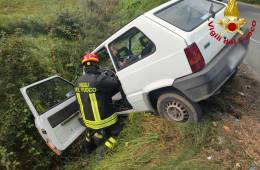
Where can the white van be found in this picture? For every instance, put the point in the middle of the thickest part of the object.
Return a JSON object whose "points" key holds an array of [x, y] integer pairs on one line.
{"points": [[165, 60]]}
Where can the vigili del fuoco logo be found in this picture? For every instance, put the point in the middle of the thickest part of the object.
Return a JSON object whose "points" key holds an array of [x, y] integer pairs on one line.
{"points": [[232, 23]]}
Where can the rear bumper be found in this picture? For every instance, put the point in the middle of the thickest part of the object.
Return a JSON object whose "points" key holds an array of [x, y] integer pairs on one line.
{"points": [[202, 85]]}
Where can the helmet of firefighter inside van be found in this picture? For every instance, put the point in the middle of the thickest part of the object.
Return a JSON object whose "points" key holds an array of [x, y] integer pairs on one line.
{"points": [[88, 58]]}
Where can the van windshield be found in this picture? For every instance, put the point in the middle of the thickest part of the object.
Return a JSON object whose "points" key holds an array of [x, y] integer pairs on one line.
{"points": [[189, 14]]}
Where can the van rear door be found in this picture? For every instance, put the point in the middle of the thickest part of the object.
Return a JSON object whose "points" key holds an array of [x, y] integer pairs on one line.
{"points": [[191, 19]]}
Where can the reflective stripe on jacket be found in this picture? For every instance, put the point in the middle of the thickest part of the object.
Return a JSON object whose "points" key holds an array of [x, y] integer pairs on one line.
{"points": [[94, 92]]}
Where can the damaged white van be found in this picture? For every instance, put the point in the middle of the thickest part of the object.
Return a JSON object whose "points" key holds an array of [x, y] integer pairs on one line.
{"points": [[165, 60]]}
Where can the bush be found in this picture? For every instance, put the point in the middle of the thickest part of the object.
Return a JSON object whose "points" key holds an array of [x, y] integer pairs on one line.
{"points": [[7, 159], [25, 25], [65, 59], [135, 8], [67, 26], [100, 21], [21, 145]]}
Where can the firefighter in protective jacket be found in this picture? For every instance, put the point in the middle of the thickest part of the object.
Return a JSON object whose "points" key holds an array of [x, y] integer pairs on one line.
{"points": [[94, 91]]}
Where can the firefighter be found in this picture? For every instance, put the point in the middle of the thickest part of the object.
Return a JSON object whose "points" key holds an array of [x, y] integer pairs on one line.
{"points": [[94, 91]]}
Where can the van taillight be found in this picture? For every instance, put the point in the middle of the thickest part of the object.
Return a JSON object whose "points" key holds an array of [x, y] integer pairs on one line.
{"points": [[194, 57]]}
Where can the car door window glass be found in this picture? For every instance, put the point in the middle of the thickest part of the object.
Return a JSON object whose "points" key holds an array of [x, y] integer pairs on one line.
{"points": [[130, 48], [49, 94], [104, 57]]}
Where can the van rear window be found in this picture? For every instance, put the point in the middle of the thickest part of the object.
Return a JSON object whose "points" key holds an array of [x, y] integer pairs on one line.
{"points": [[188, 14]]}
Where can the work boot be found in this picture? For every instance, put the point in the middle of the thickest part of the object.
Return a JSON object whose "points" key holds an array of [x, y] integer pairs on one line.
{"points": [[88, 147], [101, 152]]}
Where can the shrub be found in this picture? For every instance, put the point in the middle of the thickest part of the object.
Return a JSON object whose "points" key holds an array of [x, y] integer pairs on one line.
{"points": [[100, 18], [67, 26], [7, 159], [26, 26], [20, 143], [133, 8], [65, 59]]}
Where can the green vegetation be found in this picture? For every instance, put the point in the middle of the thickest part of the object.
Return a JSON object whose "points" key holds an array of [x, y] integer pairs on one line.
{"points": [[251, 1], [39, 39], [42, 38], [158, 144]]}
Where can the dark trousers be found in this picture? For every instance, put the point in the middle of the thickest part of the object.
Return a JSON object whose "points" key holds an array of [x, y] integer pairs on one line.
{"points": [[105, 136]]}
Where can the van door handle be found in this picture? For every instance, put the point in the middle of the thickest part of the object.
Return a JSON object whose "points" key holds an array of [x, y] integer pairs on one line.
{"points": [[44, 131]]}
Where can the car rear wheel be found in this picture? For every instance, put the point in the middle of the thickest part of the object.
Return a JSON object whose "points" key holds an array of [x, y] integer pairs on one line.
{"points": [[175, 106]]}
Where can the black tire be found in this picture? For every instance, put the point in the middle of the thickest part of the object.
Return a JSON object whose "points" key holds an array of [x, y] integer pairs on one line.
{"points": [[175, 106]]}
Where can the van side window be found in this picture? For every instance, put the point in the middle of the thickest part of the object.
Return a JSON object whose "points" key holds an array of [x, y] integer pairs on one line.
{"points": [[130, 48], [104, 57]]}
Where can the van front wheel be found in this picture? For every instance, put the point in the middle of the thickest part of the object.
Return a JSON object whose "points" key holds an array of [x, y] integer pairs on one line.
{"points": [[175, 106]]}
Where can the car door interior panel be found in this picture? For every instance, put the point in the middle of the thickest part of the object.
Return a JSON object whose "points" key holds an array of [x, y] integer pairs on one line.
{"points": [[63, 114]]}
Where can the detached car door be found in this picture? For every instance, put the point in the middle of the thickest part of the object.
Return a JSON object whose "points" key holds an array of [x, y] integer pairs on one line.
{"points": [[53, 104]]}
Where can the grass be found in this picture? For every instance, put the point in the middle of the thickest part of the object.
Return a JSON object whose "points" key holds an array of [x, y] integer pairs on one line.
{"points": [[149, 142], [34, 20], [32, 15], [17, 9]]}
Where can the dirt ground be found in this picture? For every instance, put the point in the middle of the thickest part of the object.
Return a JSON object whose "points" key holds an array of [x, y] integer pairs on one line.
{"points": [[237, 113]]}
